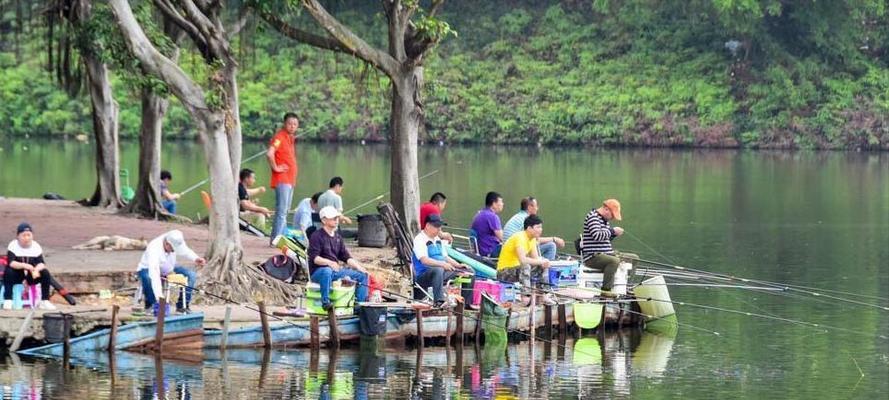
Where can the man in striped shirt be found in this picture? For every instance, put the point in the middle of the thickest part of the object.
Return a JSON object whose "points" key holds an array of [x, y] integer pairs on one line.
{"points": [[597, 236]]}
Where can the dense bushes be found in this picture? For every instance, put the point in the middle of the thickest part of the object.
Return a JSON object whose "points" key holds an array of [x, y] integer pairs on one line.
{"points": [[638, 72]]}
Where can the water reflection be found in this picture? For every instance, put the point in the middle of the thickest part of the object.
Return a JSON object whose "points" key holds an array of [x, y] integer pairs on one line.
{"points": [[589, 367]]}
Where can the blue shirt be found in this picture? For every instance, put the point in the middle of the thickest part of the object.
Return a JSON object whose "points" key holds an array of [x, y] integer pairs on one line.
{"points": [[302, 218], [515, 224]]}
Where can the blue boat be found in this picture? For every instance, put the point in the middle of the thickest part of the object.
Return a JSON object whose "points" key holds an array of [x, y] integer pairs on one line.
{"points": [[178, 330]]}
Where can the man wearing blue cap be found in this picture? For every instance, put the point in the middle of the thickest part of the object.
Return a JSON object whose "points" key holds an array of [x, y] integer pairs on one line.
{"points": [[432, 265]]}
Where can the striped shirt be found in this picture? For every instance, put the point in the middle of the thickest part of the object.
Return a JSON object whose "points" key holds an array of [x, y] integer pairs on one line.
{"points": [[597, 235]]}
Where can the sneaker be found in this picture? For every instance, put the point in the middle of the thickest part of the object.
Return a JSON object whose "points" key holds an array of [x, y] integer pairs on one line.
{"points": [[327, 306], [180, 310], [7, 304], [46, 305]]}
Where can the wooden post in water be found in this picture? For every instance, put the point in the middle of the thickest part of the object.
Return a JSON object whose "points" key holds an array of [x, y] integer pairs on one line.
{"points": [[532, 310], [420, 341], [461, 307], [548, 320], [478, 327], [563, 320], [225, 325], [66, 341], [448, 331], [266, 331], [159, 332], [112, 338], [333, 328], [314, 334]]}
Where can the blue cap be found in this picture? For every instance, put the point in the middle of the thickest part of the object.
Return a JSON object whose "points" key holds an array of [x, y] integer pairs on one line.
{"points": [[23, 227], [435, 220]]}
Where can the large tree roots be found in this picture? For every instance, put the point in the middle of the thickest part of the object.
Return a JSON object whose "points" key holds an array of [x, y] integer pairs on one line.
{"points": [[228, 277]]}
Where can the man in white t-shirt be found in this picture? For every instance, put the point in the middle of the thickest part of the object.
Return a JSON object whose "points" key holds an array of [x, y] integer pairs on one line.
{"points": [[159, 260], [432, 266]]}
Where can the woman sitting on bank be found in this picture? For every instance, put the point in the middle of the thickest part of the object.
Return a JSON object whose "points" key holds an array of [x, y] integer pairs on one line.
{"points": [[26, 264]]}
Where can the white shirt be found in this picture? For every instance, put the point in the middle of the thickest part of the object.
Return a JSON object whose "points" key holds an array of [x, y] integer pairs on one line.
{"points": [[160, 263], [302, 218]]}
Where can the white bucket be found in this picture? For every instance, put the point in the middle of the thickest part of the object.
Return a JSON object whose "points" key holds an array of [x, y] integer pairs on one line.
{"points": [[620, 278]]}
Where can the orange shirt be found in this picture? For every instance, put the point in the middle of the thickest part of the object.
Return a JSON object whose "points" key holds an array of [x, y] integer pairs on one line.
{"points": [[285, 154]]}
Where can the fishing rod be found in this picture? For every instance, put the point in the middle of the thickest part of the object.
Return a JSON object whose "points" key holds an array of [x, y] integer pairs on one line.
{"points": [[816, 292], [808, 290], [248, 159], [362, 205], [712, 285], [750, 314]]}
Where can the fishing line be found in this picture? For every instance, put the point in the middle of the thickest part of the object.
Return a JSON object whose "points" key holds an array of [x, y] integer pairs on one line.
{"points": [[750, 314], [362, 205]]}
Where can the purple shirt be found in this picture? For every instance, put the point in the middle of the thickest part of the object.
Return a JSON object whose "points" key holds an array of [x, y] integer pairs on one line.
{"points": [[484, 224], [330, 247]]}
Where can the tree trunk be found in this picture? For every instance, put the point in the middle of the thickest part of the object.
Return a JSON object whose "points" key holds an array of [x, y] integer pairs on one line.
{"points": [[105, 122], [147, 200], [405, 118], [105, 128]]}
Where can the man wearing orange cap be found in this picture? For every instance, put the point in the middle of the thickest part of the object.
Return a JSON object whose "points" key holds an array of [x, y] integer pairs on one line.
{"points": [[597, 236]]}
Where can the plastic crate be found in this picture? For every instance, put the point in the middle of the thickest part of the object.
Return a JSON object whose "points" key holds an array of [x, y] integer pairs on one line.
{"points": [[342, 297], [563, 273]]}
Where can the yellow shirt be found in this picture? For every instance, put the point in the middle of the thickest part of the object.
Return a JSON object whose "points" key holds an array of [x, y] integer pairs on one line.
{"points": [[509, 257]]}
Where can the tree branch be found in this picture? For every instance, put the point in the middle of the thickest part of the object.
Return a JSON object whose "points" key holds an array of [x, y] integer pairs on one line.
{"points": [[436, 5], [357, 46], [238, 26], [311, 39], [191, 95], [172, 14]]}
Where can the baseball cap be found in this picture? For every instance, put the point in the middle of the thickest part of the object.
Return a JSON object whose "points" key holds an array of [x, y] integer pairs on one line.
{"points": [[435, 220], [329, 212], [177, 240], [613, 206], [23, 227]]}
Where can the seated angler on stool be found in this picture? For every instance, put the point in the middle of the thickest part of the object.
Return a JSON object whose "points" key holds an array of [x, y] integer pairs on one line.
{"points": [[327, 252], [26, 264], [159, 260]]}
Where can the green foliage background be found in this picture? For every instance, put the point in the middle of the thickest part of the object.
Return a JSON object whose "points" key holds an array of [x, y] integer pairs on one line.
{"points": [[804, 74]]}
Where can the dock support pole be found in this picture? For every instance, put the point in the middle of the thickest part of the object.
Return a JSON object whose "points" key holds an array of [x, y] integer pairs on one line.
{"points": [[66, 339], [112, 338], [315, 339], [266, 331], [563, 320], [420, 341], [548, 320], [478, 327], [159, 332], [22, 329], [532, 310], [333, 328], [225, 325], [461, 307]]}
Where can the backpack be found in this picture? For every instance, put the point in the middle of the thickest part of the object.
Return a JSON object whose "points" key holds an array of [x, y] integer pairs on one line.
{"points": [[282, 268]]}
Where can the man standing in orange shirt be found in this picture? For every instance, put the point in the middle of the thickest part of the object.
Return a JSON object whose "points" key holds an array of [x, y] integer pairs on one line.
{"points": [[282, 161]]}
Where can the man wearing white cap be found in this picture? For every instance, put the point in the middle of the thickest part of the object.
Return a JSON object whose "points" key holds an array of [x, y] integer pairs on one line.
{"points": [[326, 254], [159, 259]]}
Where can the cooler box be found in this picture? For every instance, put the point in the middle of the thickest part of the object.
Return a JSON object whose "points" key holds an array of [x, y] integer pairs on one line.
{"points": [[499, 291], [563, 273], [342, 297]]}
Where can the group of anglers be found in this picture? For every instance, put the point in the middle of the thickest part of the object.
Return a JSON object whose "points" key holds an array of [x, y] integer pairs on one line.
{"points": [[521, 251]]}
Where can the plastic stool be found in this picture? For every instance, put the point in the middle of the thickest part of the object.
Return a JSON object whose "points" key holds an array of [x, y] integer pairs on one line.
{"points": [[34, 296], [17, 291]]}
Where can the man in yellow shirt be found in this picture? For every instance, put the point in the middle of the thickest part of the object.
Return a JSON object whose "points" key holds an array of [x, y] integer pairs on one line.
{"points": [[520, 260]]}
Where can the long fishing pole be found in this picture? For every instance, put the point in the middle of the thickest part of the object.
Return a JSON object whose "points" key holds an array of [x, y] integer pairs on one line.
{"points": [[788, 287], [362, 205], [808, 290], [248, 159]]}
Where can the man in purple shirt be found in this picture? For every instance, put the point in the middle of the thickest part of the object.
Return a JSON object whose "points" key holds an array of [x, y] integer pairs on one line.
{"points": [[327, 252], [486, 226]]}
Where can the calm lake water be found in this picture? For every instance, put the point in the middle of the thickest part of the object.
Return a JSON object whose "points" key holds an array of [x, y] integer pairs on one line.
{"points": [[817, 219]]}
